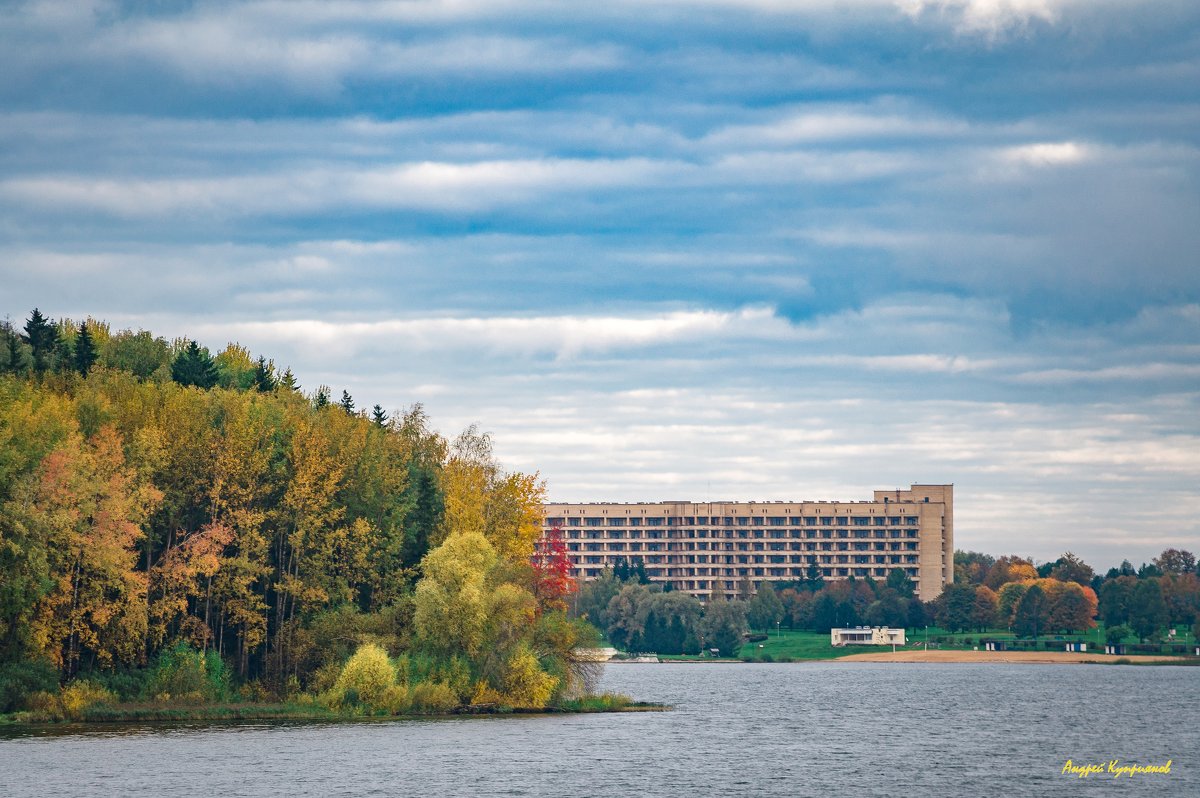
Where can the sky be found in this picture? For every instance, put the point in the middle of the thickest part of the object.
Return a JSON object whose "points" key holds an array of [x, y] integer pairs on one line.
{"points": [[689, 249]]}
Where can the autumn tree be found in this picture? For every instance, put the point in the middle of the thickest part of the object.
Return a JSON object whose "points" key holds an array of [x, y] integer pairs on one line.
{"points": [[984, 610], [85, 508]]}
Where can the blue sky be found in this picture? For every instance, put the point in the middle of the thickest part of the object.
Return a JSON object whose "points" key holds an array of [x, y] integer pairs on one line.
{"points": [[743, 249]]}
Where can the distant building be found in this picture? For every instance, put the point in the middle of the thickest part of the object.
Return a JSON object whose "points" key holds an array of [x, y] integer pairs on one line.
{"points": [[867, 636], [699, 547]]}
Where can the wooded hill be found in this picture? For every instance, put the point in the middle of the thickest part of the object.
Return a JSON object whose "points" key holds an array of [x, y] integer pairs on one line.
{"points": [[153, 495]]}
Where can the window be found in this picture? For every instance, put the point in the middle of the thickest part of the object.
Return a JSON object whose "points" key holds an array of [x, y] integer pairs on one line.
{"points": [[616, 522], [592, 521], [573, 522]]}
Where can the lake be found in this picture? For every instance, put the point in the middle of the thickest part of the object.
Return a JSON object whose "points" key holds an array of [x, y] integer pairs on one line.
{"points": [[862, 729]]}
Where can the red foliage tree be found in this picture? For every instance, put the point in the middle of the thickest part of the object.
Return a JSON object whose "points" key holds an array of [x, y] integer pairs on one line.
{"points": [[552, 568]]}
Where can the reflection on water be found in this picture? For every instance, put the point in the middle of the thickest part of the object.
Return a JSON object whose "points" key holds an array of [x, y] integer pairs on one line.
{"points": [[781, 729]]}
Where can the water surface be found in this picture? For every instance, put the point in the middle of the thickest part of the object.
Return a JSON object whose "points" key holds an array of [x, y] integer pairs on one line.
{"points": [[800, 729]]}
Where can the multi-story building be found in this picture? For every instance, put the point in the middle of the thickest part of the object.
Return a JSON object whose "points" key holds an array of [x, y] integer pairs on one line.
{"points": [[703, 546]]}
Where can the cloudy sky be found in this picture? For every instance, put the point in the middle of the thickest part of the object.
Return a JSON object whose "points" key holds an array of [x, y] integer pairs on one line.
{"points": [[689, 249]]}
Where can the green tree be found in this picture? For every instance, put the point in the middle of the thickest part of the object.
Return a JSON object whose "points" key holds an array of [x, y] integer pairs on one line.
{"points": [[955, 607], [85, 350], [1032, 611], [347, 403], [897, 579], [288, 381], [1115, 595], [139, 353], [765, 609], [42, 337], [378, 417], [320, 399], [723, 626], [264, 376], [194, 366], [1147, 609]]}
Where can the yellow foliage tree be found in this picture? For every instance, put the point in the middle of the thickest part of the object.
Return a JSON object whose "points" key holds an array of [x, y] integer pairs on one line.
{"points": [[451, 601]]}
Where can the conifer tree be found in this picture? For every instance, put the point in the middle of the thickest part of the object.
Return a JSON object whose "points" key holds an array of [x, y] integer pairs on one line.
{"points": [[320, 399], [378, 416], [264, 376], [194, 366], [347, 403], [41, 337], [85, 350], [288, 381]]}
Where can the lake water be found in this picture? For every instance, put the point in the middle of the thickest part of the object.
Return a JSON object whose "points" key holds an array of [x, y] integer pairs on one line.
{"points": [[859, 729]]}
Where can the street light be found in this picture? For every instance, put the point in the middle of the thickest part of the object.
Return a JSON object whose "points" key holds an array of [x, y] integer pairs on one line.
{"points": [[926, 637]]}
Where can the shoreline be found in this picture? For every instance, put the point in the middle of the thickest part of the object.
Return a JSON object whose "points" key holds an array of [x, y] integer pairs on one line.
{"points": [[1020, 657]]}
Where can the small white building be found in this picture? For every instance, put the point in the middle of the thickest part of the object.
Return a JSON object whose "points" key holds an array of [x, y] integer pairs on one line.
{"points": [[867, 636]]}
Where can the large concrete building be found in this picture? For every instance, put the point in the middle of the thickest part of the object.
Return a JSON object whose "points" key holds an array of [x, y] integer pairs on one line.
{"points": [[702, 546]]}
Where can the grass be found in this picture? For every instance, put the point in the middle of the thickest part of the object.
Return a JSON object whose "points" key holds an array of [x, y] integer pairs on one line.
{"points": [[797, 646], [217, 713]]}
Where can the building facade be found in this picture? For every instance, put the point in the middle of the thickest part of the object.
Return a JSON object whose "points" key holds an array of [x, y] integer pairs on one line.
{"points": [[699, 547]]}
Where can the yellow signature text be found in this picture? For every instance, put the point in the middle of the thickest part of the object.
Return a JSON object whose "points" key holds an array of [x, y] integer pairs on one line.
{"points": [[1114, 768]]}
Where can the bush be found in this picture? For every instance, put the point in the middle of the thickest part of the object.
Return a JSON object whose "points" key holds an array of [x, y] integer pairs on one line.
{"points": [[79, 696], [184, 675], [756, 638], [365, 680], [19, 680], [433, 698]]}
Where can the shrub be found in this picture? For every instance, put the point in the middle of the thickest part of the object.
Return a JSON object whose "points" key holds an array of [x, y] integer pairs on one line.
{"points": [[79, 696], [364, 680], [184, 675], [19, 680], [433, 698], [525, 683]]}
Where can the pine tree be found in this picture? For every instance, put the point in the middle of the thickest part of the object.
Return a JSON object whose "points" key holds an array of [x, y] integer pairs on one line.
{"points": [[378, 416], [194, 366], [320, 399], [264, 376], [288, 381], [85, 350], [41, 336], [347, 403]]}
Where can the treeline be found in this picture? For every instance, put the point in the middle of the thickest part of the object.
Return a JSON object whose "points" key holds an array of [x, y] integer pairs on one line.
{"points": [[1067, 595], [153, 496], [637, 616]]}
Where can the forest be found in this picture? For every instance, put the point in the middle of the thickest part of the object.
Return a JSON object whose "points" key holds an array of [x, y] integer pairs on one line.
{"points": [[181, 526]]}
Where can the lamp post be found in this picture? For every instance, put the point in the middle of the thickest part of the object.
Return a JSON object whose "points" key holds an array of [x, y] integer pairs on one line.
{"points": [[926, 637]]}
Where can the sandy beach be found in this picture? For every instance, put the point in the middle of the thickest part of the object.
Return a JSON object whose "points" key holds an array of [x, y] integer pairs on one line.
{"points": [[1029, 657]]}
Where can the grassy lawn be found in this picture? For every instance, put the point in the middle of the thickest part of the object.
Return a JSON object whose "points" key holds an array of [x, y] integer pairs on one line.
{"points": [[788, 645]]}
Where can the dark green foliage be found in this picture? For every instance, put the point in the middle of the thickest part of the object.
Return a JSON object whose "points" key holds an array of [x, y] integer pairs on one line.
{"points": [[1147, 609], [347, 403], [765, 608], [183, 674], [288, 381], [264, 376], [42, 336], [379, 417], [955, 606], [19, 679], [1030, 618], [898, 580], [320, 399], [85, 350], [16, 356], [194, 366], [428, 506], [1114, 600]]}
